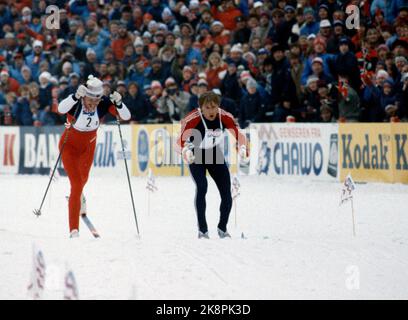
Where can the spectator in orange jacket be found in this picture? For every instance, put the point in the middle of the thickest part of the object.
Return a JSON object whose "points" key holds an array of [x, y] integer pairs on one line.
{"points": [[214, 67], [119, 44], [8, 84], [226, 13]]}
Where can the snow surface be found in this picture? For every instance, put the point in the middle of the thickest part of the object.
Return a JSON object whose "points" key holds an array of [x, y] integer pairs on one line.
{"points": [[299, 241]]}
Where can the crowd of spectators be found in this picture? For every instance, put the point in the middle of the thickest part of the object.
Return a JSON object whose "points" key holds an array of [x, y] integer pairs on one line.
{"points": [[271, 60]]}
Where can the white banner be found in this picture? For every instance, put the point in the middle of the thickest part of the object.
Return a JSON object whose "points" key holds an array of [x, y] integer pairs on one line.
{"points": [[294, 149], [108, 152], [9, 149]]}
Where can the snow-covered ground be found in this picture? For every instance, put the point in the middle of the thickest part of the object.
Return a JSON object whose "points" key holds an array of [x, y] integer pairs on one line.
{"points": [[299, 242]]}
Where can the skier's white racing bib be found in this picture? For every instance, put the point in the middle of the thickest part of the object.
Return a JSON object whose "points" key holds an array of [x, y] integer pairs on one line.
{"points": [[212, 138], [87, 121]]}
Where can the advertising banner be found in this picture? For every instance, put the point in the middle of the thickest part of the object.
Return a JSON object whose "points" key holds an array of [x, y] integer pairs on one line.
{"points": [[9, 149], [374, 152], [108, 152], [153, 147], [39, 149], [295, 150], [400, 141]]}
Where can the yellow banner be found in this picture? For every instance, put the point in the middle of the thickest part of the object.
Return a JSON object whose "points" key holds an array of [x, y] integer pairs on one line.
{"points": [[374, 152], [400, 144], [154, 147]]}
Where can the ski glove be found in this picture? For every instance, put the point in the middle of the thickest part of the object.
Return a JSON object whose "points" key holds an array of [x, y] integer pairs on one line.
{"points": [[81, 92], [116, 98], [187, 153]]}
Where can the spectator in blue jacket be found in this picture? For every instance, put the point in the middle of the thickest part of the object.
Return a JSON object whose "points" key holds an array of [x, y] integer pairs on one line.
{"points": [[252, 105], [319, 46], [21, 110], [311, 26], [35, 58]]}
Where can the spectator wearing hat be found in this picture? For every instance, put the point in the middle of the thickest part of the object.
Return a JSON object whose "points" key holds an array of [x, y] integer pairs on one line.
{"points": [[229, 84], [349, 102], [26, 75], [139, 105], [338, 33], [138, 73], [252, 106], [242, 33], [45, 93], [121, 40], [388, 99], [319, 46], [73, 83], [220, 35], [187, 77], [325, 30], [7, 83], [46, 115], [197, 89], [121, 87], [21, 110], [281, 28], [262, 31], [400, 63], [173, 102], [156, 91], [346, 63], [300, 21], [382, 51], [310, 26], [62, 85], [157, 72], [190, 52], [235, 56], [16, 66], [333, 8], [318, 71], [167, 54], [91, 61], [282, 96], [288, 23], [310, 110], [168, 19], [35, 58], [323, 12]]}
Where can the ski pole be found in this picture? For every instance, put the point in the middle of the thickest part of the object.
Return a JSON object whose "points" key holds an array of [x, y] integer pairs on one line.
{"points": [[127, 174], [37, 212]]}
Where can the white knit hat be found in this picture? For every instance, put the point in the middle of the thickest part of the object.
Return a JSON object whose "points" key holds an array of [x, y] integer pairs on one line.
{"points": [[45, 75], [94, 87]]}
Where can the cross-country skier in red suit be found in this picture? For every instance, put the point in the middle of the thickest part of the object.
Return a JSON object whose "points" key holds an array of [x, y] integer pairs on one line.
{"points": [[201, 144], [85, 109]]}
